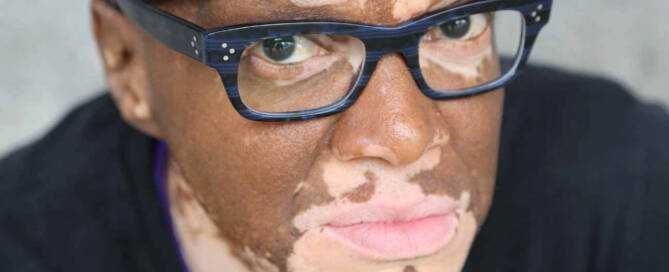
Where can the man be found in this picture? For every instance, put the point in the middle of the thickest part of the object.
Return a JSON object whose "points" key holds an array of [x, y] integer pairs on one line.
{"points": [[337, 147]]}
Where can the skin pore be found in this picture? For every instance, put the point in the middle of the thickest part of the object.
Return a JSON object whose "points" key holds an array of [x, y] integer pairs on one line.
{"points": [[255, 196]]}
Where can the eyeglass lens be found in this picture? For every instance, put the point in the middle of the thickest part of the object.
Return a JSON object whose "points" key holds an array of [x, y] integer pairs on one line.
{"points": [[303, 72]]}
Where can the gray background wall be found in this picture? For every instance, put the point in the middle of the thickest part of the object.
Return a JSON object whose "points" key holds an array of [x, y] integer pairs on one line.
{"points": [[48, 62]]}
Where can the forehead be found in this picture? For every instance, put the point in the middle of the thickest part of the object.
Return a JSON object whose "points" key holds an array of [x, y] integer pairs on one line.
{"points": [[217, 13]]}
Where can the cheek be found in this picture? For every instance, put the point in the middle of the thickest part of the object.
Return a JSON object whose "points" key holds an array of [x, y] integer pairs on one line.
{"points": [[183, 89], [245, 174], [240, 171], [475, 125]]}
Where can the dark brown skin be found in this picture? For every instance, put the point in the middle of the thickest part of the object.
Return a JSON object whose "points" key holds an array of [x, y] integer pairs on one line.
{"points": [[245, 173], [364, 192]]}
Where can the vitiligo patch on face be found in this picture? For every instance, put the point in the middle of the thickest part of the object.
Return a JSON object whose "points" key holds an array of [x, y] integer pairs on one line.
{"points": [[317, 250], [401, 9], [342, 177], [407, 9], [198, 236], [258, 263], [466, 67]]}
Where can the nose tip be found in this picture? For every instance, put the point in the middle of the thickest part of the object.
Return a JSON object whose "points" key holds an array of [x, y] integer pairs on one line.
{"points": [[392, 120]]}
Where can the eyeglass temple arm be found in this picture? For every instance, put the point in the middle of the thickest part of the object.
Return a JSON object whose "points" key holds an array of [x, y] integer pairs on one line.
{"points": [[178, 34]]}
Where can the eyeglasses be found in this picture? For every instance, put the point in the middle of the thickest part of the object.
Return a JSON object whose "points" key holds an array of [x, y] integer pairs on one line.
{"points": [[291, 71]]}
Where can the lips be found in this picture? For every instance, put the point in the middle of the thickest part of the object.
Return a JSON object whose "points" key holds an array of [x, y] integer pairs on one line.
{"points": [[398, 239], [383, 229]]}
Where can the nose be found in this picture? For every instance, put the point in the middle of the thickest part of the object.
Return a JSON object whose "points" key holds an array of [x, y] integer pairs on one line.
{"points": [[392, 120]]}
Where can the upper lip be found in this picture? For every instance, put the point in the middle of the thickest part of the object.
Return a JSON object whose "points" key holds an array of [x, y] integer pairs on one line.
{"points": [[379, 211]]}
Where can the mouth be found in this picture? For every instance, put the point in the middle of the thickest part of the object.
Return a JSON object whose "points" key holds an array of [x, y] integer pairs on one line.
{"points": [[388, 233], [398, 240]]}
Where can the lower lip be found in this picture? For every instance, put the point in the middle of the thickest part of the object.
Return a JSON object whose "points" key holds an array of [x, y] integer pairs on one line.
{"points": [[398, 240]]}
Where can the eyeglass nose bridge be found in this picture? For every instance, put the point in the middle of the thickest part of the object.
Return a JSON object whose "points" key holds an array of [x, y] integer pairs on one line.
{"points": [[410, 56], [407, 46]]}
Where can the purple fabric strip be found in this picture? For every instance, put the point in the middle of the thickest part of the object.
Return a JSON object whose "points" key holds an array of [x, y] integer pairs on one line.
{"points": [[159, 171]]}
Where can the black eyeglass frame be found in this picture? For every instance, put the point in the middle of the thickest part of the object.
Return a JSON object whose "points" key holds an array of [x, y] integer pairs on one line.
{"points": [[221, 48]]}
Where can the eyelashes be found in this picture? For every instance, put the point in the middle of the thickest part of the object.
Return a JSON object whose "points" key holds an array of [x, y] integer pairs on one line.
{"points": [[287, 49], [461, 29], [288, 59]]}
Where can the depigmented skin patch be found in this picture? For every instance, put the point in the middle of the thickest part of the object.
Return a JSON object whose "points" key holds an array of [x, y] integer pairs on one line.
{"points": [[434, 183], [227, 13], [310, 256], [245, 175], [401, 9], [199, 238], [405, 9]]}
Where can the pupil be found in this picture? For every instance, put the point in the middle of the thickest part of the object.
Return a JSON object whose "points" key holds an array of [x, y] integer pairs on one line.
{"points": [[280, 48], [456, 29]]}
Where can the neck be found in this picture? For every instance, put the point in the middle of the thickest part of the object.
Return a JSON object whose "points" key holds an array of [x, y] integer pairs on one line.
{"points": [[200, 241]]}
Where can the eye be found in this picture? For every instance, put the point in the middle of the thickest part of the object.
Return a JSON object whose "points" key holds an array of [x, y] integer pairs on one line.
{"points": [[287, 49], [464, 28], [279, 49]]}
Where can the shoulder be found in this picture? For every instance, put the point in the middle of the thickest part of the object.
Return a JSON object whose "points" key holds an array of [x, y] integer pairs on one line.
{"points": [[583, 168], [59, 196], [572, 123], [80, 142], [76, 132]]}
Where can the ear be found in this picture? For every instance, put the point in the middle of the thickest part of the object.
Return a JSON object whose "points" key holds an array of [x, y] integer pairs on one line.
{"points": [[121, 46]]}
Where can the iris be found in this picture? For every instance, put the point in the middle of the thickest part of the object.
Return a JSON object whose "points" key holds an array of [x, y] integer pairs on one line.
{"points": [[456, 29], [279, 48]]}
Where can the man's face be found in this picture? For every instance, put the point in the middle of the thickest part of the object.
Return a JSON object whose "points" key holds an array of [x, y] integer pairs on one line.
{"points": [[398, 182]]}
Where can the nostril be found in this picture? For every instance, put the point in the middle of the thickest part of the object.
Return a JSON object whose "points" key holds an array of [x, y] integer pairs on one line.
{"points": [[368, 151], [382, 152]]}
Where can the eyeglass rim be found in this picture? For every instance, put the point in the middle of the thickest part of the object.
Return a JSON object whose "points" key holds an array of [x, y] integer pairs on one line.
{"points": [[206, 47]]}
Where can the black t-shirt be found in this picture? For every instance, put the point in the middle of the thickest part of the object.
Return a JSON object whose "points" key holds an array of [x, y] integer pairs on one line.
{"points": [[582, 186]]}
